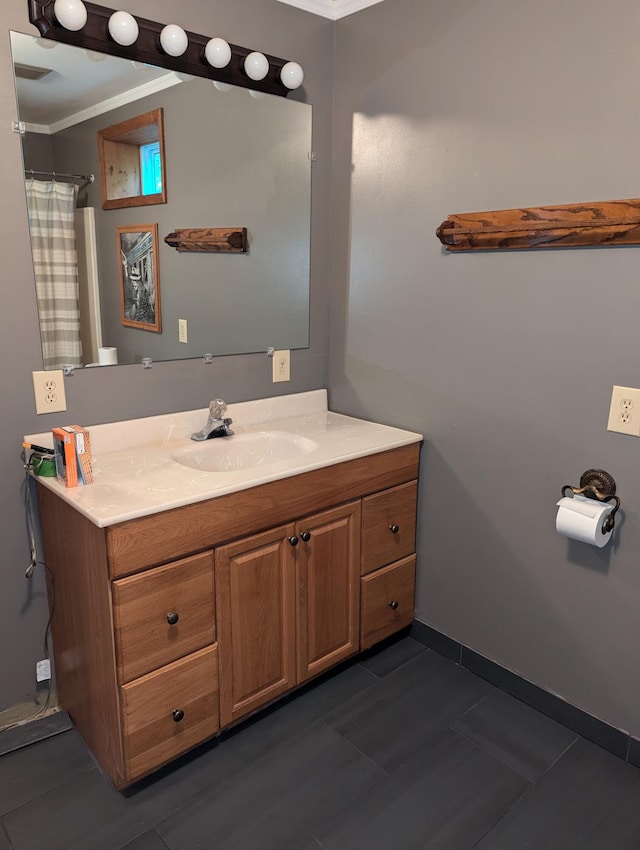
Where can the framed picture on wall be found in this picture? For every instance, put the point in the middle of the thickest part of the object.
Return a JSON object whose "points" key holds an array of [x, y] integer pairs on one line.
{"points": [[139, 281]]}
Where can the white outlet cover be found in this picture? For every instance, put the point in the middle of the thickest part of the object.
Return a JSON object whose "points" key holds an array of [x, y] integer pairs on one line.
{"points": [[43, 670], [48, 388], [624, 411]]}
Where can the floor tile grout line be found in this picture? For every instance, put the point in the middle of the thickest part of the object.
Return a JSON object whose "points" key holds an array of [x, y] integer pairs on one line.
{"points": [[3, 831], [491, 755], [569, 746], [47, 790], [354, 747]]}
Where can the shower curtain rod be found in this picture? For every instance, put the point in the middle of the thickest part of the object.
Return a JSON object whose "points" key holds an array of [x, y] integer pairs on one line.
{"points": [[88, 178]]}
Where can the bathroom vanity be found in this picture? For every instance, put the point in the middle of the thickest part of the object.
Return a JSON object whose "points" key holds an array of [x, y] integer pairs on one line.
{"points": [[192, 584]]}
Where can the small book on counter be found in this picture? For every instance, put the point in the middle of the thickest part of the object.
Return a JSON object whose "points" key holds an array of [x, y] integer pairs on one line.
{"points": [[72, 452]]}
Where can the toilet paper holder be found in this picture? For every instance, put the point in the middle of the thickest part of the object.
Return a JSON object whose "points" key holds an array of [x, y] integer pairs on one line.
{"points": [[599, 485]]}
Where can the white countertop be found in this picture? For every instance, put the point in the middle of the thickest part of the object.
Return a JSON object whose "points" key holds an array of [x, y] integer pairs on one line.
{"points": [[135, 474]]}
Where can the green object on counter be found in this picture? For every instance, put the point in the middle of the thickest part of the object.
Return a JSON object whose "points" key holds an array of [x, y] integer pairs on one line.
{"points": [[44, 466]]}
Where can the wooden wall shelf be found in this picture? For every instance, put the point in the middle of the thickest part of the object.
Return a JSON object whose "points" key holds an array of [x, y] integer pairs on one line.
{"points": [[225, 240], [602, 223]]}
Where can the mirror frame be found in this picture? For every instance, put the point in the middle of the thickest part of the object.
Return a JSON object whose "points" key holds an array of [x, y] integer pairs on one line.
{"points": [[147, 49]]}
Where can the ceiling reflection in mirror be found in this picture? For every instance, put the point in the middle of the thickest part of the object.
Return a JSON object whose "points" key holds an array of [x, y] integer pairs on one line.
{"points": [[234, 159]]}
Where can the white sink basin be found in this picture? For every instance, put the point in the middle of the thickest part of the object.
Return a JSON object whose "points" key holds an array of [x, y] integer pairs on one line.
{"points": [[243, 451]]}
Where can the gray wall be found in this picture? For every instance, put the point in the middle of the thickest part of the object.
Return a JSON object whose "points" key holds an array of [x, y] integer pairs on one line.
{"points": [[505, 361], [130, 391]]}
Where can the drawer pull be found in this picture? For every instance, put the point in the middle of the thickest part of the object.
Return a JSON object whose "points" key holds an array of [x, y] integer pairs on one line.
{"points": [[177, 714], [293, 540], [172, 618], [306, 536], [393, 605], [394, 529]]}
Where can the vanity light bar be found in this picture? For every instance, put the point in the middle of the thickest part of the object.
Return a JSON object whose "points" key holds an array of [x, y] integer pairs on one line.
{"points": [[147, 48]]}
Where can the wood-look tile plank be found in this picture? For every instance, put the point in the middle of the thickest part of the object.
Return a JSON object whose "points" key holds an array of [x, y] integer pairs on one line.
{"points": [[278, 801], [518, 735], [588, 799], [407, 709], [446, 799]]}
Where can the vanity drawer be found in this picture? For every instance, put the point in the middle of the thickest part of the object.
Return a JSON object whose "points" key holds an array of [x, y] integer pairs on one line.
{"points": [[388, 526], [162, 614], [387, 601], [169, 711]]}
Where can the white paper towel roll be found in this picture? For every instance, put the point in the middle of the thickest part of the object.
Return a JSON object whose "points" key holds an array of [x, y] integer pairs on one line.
{"points": [[581, 519], [108, 356]]}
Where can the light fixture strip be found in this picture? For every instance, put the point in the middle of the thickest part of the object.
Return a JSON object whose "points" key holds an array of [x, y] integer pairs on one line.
{"points": [[147, 48]]}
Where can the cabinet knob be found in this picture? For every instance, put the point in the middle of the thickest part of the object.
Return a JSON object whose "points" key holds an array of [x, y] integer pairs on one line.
{"points": [[394, 529], [393, 605], [172, 618], [306, 536], [293, 540], [177, 714]]}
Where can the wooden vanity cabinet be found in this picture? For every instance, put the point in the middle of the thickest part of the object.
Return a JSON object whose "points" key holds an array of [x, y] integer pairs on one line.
{"points": [[172, 626]]}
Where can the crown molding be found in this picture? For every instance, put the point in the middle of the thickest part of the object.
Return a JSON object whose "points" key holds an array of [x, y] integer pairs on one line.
{"points": [[332, 9]]}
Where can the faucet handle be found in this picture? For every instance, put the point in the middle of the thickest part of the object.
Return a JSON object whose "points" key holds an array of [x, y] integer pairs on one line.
{"points": [[217, 407]]}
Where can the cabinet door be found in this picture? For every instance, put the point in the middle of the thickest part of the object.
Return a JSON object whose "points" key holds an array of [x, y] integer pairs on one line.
{"points": [[255, 604], [328, 588]]}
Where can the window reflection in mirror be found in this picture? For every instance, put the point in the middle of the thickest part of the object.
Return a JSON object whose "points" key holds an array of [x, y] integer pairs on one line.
{"points": [[132, 162]]}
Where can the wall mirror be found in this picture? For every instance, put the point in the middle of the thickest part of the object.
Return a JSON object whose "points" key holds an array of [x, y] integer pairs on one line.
{"points": [[234, 158]]}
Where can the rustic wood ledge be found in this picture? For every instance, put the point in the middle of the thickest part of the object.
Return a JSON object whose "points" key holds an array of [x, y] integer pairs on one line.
{"points": [[602, 223], [227, 240]]}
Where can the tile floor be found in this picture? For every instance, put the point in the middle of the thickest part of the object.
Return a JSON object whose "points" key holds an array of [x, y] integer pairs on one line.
{"points": [[401, 749]]}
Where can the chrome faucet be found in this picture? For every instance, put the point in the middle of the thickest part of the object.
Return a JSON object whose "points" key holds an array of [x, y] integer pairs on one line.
{"points": [[216, 425]]}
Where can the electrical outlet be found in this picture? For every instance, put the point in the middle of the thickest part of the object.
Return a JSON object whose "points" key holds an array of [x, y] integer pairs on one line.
{"points": [[624, 413], [48, 388], [281, 365], [182, 330], [43, 670]]}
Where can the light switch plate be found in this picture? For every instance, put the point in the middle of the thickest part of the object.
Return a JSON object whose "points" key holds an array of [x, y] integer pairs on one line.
{"points": [[281, 365]]}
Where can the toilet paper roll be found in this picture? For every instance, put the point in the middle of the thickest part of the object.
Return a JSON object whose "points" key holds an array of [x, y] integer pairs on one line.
{"points": [[582, 519], [108, 356]]}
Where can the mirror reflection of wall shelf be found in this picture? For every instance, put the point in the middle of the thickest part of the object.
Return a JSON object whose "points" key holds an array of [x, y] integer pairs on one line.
{"points": [[132, 162], [261, 177], [217, 240], [121, 34]]}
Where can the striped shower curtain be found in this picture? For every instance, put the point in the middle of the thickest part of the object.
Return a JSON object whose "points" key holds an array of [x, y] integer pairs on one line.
{"points": [[53, 243]]}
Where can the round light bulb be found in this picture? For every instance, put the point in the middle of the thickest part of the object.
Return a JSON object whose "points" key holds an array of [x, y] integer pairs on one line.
{"points": [[292, 75], [222, 86], [71, 14], [256, 66], [217, 53], [123, 28], [173, 40]]}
